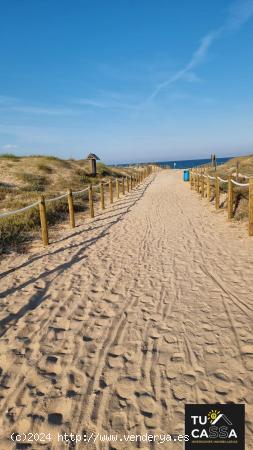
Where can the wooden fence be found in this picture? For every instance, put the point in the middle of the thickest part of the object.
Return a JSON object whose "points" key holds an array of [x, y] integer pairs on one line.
{"points": [[120, 185], [204, 184]]}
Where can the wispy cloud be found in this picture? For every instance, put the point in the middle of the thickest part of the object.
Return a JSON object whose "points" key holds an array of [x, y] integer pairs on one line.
{"points": [[13, 104], [109, 101], [40, 110], [31, 134], [196, 59], [8, 147], [93, 103], [238, 14]]}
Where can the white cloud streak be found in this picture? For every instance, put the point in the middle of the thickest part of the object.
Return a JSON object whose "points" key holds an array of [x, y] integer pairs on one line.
{"points": [[39, 110], [8, 147], [238, 14], [107, 104], [93, 103], [13, 104]]}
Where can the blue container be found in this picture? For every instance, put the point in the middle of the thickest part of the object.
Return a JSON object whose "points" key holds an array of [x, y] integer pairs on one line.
{"points": [[186, 175]]}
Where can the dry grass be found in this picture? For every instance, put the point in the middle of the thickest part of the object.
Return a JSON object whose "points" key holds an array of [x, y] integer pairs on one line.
{"points": [[241, 195], [24, 179]]}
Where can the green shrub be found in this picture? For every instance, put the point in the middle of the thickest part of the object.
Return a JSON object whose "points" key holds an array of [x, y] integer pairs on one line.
{"points": [[103, 170], [4, 191], [9, 156], [34, 182], [16, 231], [83, 178], [61, 162], [45, 168]]}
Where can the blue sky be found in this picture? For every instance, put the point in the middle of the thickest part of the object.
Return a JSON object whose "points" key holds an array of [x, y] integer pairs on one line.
{"points": [[131, 80]]}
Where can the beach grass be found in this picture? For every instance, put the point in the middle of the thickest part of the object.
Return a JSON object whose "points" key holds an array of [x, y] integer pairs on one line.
{"points": [[24, 179]]}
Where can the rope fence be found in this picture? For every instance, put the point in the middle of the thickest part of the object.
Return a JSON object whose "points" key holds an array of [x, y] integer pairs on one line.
{"points": [[17, 211], [76, 193], [203, 183], [120, 185], [240, 184]]}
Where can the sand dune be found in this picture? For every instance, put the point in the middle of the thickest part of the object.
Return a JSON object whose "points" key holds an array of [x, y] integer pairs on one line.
{"points": [[115, 327]]}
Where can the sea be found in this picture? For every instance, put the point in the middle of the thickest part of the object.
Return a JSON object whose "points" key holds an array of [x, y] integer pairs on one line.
{"points": [[188, 163], [183, 164]]}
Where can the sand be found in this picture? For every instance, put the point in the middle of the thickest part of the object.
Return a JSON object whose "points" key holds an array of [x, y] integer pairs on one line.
{"points": [[116, 326]]}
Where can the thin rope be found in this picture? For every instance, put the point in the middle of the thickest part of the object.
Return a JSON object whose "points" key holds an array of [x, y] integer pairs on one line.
{"points": [[54, 199], [240, 184], [17, 211], [80, 192], [223, 181]]}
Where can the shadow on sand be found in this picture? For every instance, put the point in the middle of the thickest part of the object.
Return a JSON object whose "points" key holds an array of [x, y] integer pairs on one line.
{"points": [[114, 215]]}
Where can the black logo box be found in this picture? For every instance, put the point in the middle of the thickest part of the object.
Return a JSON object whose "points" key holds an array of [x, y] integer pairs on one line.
{"points": [[232, 413]]}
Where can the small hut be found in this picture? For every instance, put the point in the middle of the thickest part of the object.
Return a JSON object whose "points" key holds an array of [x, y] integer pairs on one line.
{"points": [[93, 163]]}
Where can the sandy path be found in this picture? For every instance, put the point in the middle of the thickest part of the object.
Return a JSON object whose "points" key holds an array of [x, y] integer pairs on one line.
{"points": [[116, 326]]}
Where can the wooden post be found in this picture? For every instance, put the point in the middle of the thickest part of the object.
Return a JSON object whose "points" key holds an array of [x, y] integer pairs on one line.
{"points": [[102, 195], [117, 188], [214, 162], [251, 207], [131, 182], [123, 186], [191, 179], [208, 188], [230, 198], [205, 185], [127, 184], [217, 193], [202, 185], [111, 191], [91, 206], [237, 171], [198, 180], [43, 220], [71, 209]]}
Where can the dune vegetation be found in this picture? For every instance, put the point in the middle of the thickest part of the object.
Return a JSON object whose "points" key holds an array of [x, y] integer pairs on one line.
{"points": [[24, 179], [241, 169]]}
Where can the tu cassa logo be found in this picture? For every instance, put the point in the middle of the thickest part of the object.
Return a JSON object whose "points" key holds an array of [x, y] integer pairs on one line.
{"points": [[218, 426]]}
